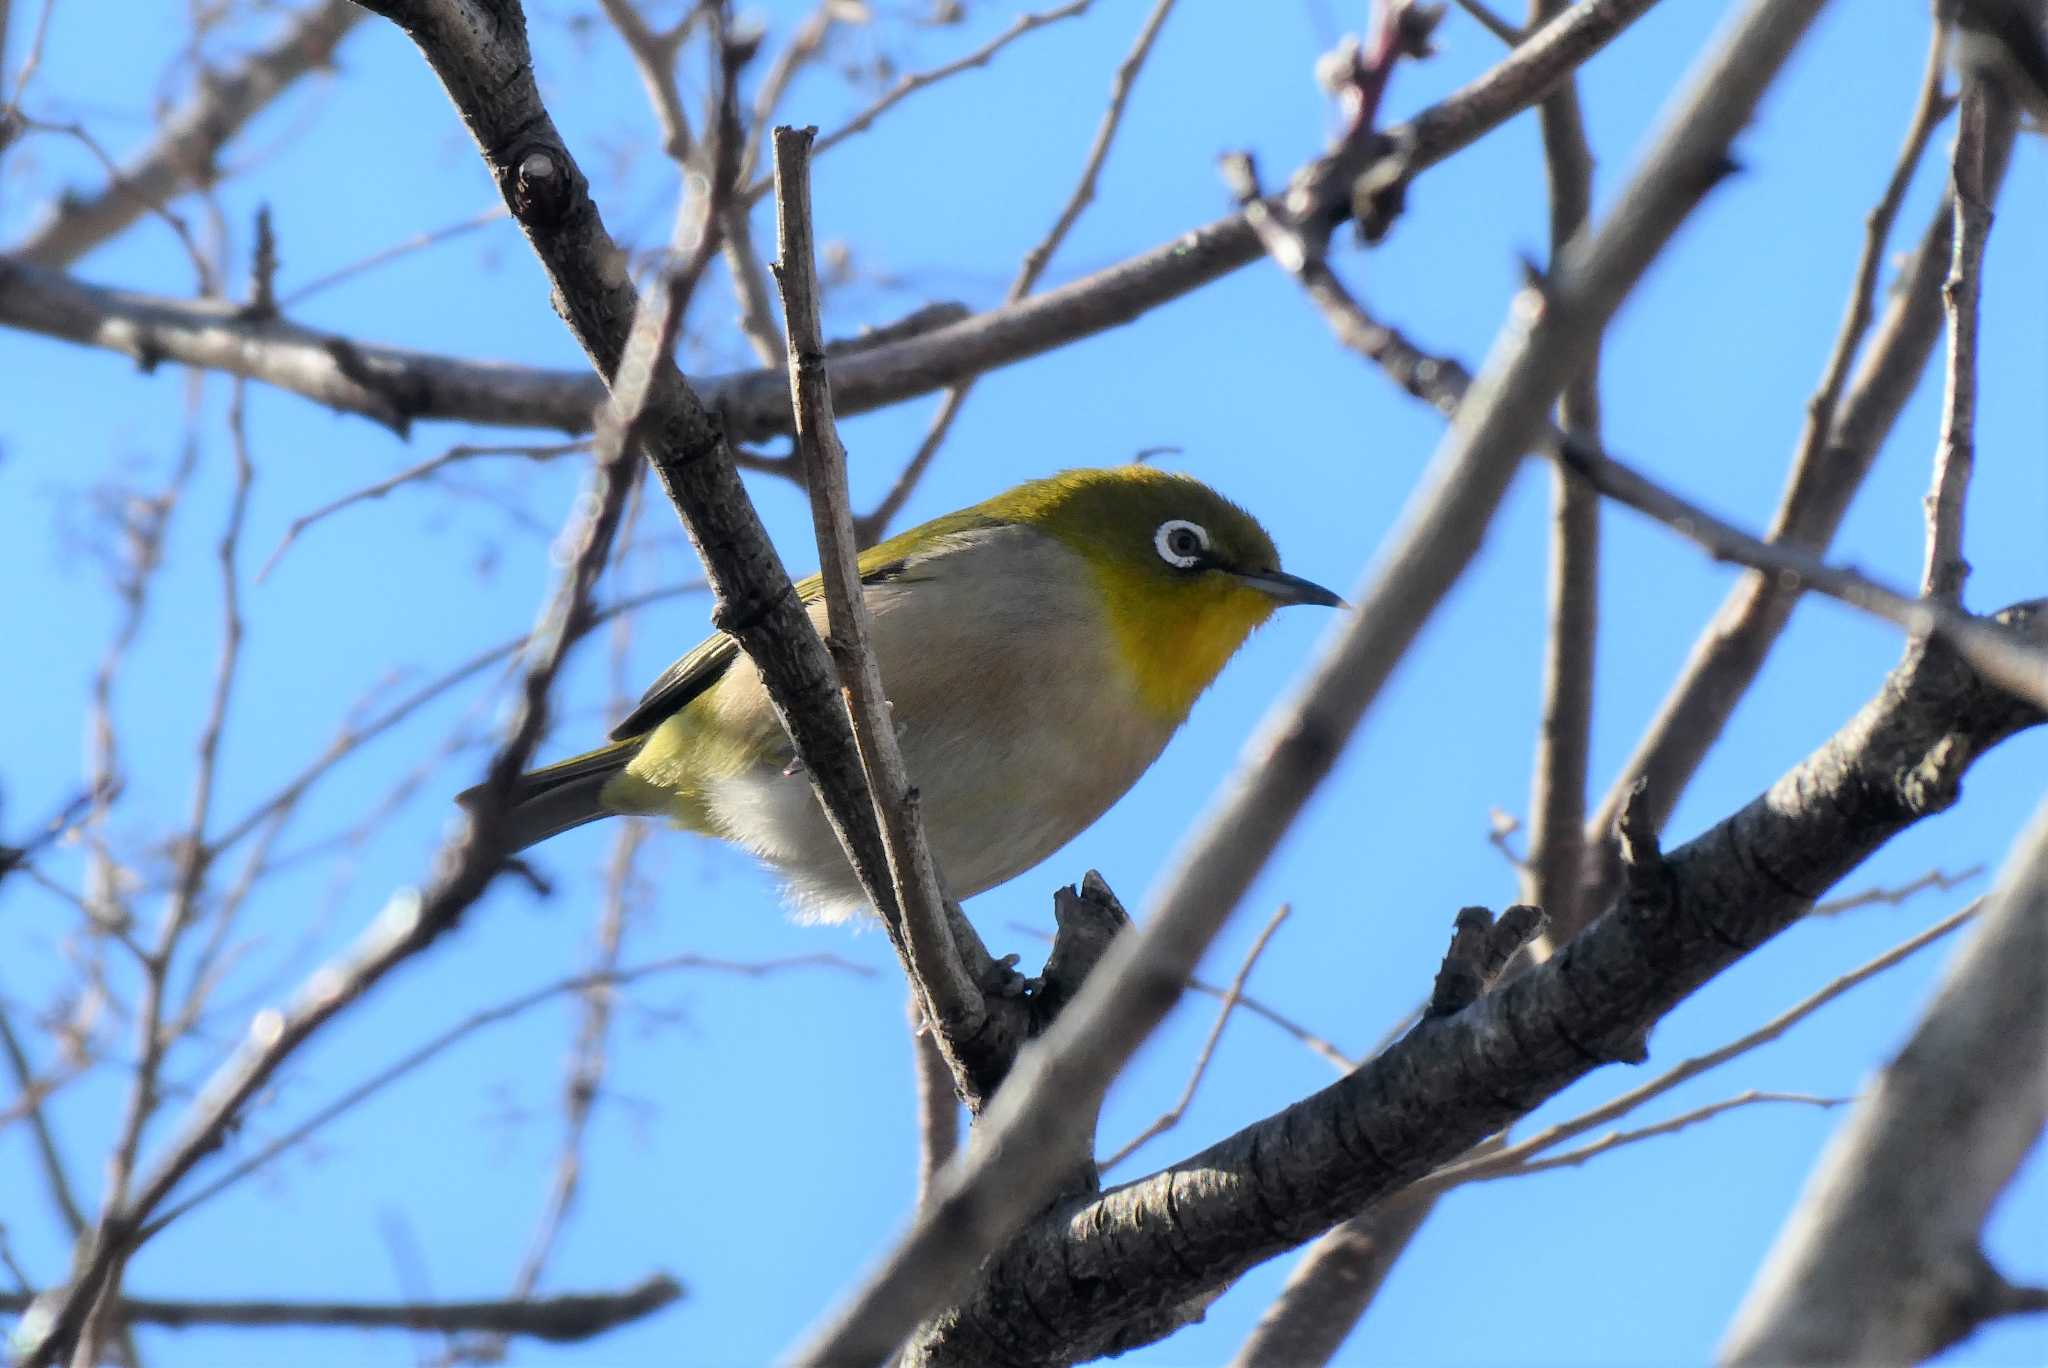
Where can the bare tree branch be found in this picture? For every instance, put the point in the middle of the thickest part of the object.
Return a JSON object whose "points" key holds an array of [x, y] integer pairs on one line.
{"points": [[1880, 1261], [191, 136], [921, 80], [872, 527], [1945, 567], [384, 256], [1233, 996], [563, 1318], [1447, 386], [1557, 789], [396, 387]]}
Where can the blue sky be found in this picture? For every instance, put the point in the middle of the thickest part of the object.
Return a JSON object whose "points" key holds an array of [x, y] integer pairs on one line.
{"points": [[756, 1137]]}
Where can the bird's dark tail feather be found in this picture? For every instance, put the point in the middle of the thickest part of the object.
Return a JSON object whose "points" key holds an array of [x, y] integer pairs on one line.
{"points": [[547, 802]]}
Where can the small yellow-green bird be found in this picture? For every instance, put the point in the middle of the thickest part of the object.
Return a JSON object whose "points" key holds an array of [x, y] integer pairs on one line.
{"points": [[1037, 649]]}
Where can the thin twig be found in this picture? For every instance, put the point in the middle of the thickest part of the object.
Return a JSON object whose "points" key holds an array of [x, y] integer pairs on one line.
{"points": [[433, 237], [32, 1092], [923, 80], [27, 71], [189, 137], [873, 525], [427, 1051], [1945, 569], [562, 1318], [1892, 897], [938, 1106], [804, 45], [1521, 1152], [424, 470], [202, 269], [1233, 996], [1620, 1139]]}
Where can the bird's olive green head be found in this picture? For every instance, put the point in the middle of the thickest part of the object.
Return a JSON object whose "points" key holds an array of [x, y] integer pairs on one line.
{"points": [[1185, 574]]}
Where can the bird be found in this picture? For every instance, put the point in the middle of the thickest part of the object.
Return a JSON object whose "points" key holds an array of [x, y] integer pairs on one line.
{"points": [[1038, 650]]}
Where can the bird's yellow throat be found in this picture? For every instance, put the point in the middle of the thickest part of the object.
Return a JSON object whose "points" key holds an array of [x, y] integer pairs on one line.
{"points": [[1174, 644]]}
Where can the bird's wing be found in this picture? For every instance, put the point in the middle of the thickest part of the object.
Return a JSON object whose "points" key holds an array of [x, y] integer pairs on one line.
{"points": [[710, 659], [679, 683]]}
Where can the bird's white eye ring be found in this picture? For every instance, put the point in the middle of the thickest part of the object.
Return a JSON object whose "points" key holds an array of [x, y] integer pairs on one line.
{"points": [[1180, 543]]}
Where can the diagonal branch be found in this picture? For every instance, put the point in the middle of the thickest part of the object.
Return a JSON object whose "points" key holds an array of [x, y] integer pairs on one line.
{"points": [[191, 136], [1880, 1262], [1446, 385]]}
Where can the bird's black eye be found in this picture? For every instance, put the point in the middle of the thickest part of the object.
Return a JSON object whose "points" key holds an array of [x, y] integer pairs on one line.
{"points": [[1180, 543]]}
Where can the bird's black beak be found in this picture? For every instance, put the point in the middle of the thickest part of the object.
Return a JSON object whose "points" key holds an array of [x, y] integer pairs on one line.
{"points": [[1285, 588]]}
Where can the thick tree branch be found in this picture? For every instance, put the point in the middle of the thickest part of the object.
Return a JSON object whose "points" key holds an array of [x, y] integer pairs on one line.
{"points": [[1956, 455], [1880, 1261]]}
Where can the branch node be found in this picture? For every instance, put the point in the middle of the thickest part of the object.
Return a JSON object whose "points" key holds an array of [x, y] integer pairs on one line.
{"points": [[1481, 947], [1089, 918], [1641, 852], [262, 305], [1459, 980], [538, 185]]}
